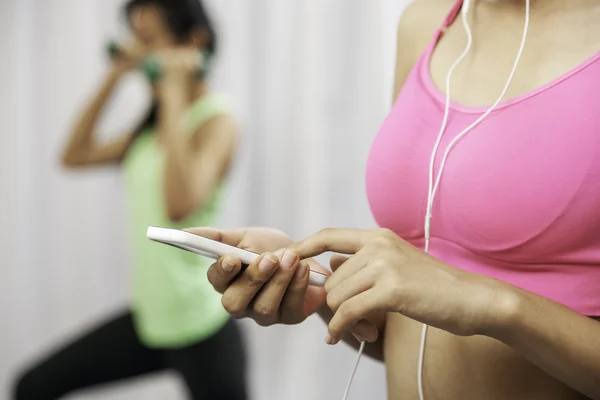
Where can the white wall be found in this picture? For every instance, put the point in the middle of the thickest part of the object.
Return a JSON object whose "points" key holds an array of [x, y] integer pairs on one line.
{"points": [[312, 81]]}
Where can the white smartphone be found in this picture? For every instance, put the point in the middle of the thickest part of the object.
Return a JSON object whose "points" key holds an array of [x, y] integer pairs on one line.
{"points": [[213, 249]]}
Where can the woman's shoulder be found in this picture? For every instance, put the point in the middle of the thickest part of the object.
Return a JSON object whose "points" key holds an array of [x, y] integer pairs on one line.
{"points": [[416, 29], [430, 12], [421, 19], [209, 105], [212, 100]]}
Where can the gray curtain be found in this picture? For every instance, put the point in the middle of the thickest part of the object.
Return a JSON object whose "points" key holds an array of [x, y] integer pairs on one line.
{"points": [[312, 82]]}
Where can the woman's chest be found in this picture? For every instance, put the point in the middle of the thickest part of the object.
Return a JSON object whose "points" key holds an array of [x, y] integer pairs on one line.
{"points": [[528, 173]]}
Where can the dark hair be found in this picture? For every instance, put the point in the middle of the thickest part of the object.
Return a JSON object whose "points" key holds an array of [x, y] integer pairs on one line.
{"points": [[183, 17]]}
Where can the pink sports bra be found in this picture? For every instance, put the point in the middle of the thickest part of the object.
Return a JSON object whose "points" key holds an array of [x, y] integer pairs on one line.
{"points": [[519, 198]]}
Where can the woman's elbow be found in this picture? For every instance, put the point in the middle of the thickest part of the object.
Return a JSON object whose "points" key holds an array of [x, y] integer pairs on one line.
{"points": [[180, 209], [70, 160]]}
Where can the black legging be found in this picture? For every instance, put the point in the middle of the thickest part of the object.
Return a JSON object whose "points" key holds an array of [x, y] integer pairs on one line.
{"points": [[213, 369]]}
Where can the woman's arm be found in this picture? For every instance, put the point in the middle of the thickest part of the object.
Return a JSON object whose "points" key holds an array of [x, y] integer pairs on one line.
{"points": [[195, 163], [561, 342], [385, 273], [82, 148]]}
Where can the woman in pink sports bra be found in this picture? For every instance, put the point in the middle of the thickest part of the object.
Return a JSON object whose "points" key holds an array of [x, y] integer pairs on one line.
{"points": [[510, 286]]}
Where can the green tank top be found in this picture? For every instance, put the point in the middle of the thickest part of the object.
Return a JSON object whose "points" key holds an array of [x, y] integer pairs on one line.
{"points": [[174, 305]]}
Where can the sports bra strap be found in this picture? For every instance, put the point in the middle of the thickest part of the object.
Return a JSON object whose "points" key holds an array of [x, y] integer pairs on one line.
{"points": [[452, 15]]}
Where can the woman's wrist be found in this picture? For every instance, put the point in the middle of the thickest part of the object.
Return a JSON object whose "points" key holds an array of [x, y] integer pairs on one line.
{"points": [[505, 309]]}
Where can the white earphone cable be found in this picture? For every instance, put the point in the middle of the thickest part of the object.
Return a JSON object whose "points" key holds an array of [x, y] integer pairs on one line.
{"points": [[492, 108], [444, 123], [431, 183], [434, 186], [360, 351]]}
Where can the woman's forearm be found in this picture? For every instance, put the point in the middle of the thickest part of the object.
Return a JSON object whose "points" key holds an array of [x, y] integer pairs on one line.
{"points": [[561, 342], [82, 136], [175, 100]]}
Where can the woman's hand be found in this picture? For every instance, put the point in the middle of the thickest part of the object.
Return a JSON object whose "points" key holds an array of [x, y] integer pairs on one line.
{"points": [[129, 57], [274, 289], [387, 274]]}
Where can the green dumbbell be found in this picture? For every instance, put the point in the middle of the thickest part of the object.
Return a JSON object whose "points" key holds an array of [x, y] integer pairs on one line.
{"points": [[151, 67], [113, 49]]}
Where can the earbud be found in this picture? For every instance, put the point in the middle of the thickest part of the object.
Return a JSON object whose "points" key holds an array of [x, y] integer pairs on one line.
{"points": [[466, 7]]}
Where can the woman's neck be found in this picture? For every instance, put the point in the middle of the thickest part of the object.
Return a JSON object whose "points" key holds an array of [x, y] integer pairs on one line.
{"points": [[200, 89]]}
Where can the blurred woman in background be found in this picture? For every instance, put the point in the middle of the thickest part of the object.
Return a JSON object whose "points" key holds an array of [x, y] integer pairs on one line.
{"points": [[174, 165]]}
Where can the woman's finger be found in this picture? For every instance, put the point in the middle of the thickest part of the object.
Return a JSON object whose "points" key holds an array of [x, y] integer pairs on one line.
{"points": [[223, 272], [266, 304], [336, 261], [365, 331], [352, 266], [293, 305], [345, 241], [350, 313], [354, 284], [241, 292]]}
